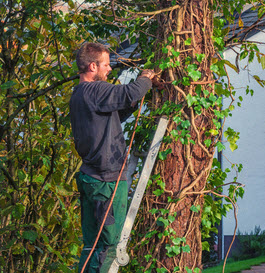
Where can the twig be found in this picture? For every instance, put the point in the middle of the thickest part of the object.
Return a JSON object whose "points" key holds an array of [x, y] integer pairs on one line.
{"points": [[10, 179], [56, 44]]}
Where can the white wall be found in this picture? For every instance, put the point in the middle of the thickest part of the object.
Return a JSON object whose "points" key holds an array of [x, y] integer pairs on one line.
{"points": [[249, 120]]}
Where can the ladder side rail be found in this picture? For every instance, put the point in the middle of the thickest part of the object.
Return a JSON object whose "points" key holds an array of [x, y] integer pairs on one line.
{"points": [[122, 256]]}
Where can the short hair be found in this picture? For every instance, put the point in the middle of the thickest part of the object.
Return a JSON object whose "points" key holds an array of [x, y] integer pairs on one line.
{"points": [[89, 53]]}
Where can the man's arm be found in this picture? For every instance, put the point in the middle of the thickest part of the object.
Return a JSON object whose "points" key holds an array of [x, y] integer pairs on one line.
{"points": [[111, 97]]}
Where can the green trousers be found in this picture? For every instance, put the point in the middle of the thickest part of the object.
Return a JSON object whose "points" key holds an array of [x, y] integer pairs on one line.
{"points": [[95, 198]]}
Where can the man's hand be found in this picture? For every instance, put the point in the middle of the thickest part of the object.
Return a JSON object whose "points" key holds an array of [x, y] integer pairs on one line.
{"points": [[149, 73]]}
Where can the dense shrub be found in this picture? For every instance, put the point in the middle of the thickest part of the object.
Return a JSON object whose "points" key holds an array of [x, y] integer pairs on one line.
{"points": [[250, 245]]}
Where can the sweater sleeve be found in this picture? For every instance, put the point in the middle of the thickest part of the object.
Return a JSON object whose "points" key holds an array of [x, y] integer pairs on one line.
{"points": [[111, 97]]}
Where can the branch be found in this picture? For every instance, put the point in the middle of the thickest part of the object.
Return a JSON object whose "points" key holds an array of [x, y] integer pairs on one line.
{"points": [[49, 173], [10, 179], [139, 14], [245, 31], [55, 41]]}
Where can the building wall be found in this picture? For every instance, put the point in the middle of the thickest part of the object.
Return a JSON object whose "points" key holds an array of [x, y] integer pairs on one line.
{"points": [[249, 120]]}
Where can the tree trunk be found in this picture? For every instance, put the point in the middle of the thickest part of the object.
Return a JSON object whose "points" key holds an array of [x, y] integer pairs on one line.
{"points": [[188, 30]]}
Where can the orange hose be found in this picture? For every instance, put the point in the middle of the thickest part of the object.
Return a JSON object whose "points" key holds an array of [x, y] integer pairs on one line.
{"points": [[115, 189]]}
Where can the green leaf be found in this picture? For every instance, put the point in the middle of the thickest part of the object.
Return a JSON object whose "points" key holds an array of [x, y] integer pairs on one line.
{"points": [[21, 175], [177, 119], [18, 249], [208, 209], [212, 97], [73, 248], [200, 57], [213, 132], [205, 246], [30, 235], [205, 103], [231, 65], [154, 211], [232, 137], [58, 75], [36, 24], [186, 81], [206, 223], [214, 68], [176, 250], [163, 155], [147, 257], [163, 211], [162, 222], [171, 218], [233, 146], [170, 38], [207, 142], [174, 133], [206, 92], [198, 89], [243, 55], [191, 100], [186, 248], [195, 208], [7, 85], [220, 146], [150, 234], [161, 270], [158, 192], [262, 61], [133, 40], [175, 53], [188, 41], [195, 75], [191, 67], [197, 270], [188, 270], [259, 81], [71, 4], [177, 241], [18, 211], [165, 50], [185, 124]]}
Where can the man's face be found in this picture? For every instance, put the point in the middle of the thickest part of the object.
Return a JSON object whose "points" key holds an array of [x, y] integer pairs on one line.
{"points": [[103, 69]]}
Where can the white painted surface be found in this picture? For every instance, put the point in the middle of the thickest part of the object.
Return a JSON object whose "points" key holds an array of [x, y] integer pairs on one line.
{"points": [[249, 120]]}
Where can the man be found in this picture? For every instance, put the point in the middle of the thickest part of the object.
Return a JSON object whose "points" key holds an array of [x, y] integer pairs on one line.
{"points": [[97, 109]]}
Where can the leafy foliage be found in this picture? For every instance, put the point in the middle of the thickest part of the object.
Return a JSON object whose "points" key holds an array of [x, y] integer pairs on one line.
{"points": [[251, 244], [40, 223]]}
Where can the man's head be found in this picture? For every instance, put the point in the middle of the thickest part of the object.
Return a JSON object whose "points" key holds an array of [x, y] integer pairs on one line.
{"points": [[93, 58]]}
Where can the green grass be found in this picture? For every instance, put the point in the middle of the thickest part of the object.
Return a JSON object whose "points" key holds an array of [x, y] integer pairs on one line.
{"points": [[232, 266]]}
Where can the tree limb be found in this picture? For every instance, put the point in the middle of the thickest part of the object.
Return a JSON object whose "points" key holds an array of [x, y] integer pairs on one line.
{"points": [[10, 179]]}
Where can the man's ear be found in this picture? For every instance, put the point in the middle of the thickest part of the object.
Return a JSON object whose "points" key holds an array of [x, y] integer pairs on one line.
{"points": [[92, 67]]}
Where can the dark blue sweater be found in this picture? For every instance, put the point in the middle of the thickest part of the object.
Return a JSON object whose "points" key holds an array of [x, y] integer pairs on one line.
{"points": [[96, 124]]}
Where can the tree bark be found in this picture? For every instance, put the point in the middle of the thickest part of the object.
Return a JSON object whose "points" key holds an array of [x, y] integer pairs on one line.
{"points": [[186, 168]]}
